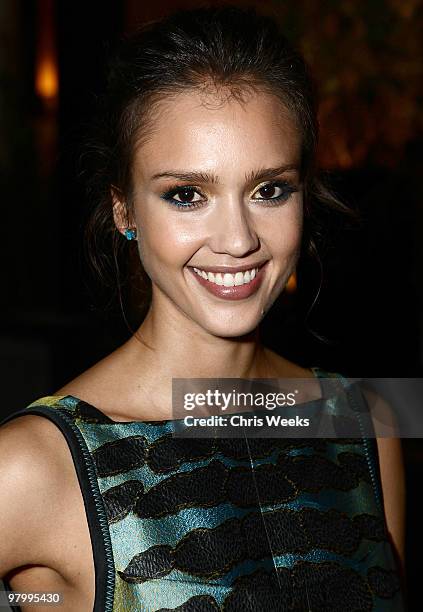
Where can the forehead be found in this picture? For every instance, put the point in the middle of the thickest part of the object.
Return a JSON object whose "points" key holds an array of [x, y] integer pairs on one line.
{"points": [[199, 130]]}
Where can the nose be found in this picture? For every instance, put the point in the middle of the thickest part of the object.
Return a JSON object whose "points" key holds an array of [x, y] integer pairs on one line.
{"points": [[232, 231]]}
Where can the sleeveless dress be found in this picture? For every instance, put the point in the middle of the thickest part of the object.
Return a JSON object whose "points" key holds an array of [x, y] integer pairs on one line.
{"points": [[209, 525]]}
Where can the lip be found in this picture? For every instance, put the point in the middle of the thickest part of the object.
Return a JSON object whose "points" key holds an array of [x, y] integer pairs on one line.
{"points": [[239, 292]]}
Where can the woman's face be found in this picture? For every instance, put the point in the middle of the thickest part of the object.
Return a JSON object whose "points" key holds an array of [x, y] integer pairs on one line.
{"points": [[218, 207]]}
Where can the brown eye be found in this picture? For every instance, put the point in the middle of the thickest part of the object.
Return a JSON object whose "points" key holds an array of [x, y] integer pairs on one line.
{"points": [[275, 192], [185, 195], [268, 191]]}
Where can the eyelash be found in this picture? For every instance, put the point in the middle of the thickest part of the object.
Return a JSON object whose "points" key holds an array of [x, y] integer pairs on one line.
{"points": [[287, 187]]}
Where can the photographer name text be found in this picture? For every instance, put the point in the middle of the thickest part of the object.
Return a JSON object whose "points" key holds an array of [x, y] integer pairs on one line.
{"points": [[237, 420]]}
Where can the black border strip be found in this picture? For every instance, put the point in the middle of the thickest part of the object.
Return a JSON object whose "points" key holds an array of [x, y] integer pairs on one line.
{"points": [[9, 588], [104, 566]]}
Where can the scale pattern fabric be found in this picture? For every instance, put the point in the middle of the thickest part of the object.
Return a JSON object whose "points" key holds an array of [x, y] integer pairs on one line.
{"points": [[187, 525]]}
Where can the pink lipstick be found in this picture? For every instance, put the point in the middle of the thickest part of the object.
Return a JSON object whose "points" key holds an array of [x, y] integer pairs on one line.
{"points": [[235, 292]]}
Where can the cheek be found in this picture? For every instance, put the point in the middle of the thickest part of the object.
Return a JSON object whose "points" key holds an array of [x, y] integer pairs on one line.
{"points": [[168, 239], [285, 233]]}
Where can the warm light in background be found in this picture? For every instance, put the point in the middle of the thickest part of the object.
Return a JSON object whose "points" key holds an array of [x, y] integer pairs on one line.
{"points": [[46, 66], [46, 85], [291, 284], [46, 78]]}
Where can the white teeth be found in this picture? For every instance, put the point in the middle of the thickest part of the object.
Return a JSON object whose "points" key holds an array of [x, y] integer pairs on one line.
{"points": [[239, 278], [228, 280]]}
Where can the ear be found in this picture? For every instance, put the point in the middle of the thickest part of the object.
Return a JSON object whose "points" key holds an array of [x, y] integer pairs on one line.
{"points": [[120, 211]]}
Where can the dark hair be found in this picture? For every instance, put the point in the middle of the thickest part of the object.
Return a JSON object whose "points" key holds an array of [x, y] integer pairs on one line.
{"points": [[227, 46]]}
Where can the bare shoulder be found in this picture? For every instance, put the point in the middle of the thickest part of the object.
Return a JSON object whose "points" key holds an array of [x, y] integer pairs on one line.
{"points": [[89, 384], [385, 422], [103, 382], [30, 441], [32, 475], [115, 386], [303, 379]]}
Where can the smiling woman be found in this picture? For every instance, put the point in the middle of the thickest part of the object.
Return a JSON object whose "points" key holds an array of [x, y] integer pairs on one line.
{"points": [[224, 199], [204, 161]]}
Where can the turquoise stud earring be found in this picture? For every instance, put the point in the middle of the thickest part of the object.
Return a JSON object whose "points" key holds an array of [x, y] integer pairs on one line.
{"points": [[130, 234]]}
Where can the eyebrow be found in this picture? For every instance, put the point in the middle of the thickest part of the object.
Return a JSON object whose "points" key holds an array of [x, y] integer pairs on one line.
{"points": [[206, 177]]}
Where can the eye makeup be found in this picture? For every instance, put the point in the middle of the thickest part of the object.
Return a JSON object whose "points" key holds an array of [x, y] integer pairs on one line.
{"points": [[272, 194], [185, 193]]}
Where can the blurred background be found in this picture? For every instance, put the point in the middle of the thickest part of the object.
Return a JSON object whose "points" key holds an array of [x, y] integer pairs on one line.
{"points": [[366, 60]]}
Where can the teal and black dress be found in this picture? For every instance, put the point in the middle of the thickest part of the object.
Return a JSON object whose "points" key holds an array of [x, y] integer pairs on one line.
{"points": [[210, 525]]}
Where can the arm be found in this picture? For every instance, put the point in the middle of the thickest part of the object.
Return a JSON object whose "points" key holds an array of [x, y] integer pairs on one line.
{"points": [[44, 539], [393, 487], [391, 470], [27, 484]]}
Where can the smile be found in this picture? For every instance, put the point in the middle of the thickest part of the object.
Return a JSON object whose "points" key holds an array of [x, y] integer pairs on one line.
{"points": [[237, 286], [228, 280]]}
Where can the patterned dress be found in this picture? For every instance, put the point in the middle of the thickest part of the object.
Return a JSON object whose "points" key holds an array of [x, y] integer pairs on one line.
{"points": [[210, 525]]}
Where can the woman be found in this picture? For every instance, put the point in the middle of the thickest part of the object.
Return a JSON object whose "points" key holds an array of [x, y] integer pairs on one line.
{"points": [[207, 165]]}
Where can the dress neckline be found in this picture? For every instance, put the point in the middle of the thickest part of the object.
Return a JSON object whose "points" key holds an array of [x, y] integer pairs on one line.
{"points": [[71, 401]]}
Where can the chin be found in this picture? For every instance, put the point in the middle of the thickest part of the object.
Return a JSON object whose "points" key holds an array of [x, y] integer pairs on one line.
{"points": [[231, 329]]}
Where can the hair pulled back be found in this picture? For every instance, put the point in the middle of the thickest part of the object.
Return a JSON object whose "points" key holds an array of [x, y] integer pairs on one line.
{"points": [[227, 46]]}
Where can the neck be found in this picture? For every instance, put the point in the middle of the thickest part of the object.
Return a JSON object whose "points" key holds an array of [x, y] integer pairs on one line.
{"points": [[171, 345]]}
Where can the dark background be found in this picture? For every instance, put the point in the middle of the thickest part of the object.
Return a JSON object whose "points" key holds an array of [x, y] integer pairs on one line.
{"points": [[366, 58]]}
